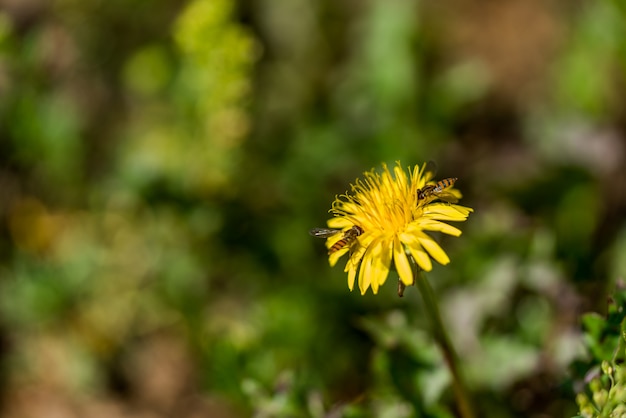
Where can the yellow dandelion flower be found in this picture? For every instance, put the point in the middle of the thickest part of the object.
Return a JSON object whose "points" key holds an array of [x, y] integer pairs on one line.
{"points": [[385, 218]]}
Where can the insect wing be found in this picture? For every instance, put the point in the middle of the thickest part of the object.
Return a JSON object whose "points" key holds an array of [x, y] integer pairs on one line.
{"points": [[447, 197], [323, 232]]}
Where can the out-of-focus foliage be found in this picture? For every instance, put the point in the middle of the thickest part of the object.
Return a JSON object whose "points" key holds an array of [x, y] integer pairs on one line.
{"points": [[605, 392], [609, 394], [161, 162], [109, 180], [192, 144]]}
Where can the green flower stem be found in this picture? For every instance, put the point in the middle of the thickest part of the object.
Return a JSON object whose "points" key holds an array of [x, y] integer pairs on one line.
{"points": [[458, 383]]}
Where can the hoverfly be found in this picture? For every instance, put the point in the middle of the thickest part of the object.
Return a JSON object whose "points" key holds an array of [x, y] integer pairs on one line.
{"points": [[348, 238], [439, 189]]}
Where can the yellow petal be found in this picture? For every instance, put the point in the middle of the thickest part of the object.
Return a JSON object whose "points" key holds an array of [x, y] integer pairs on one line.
{"points": [[334, 257], [371, 259], [402, 262], [384, 260], [365, 239], [381, 259], [447, 212], [350, 207], [432, 225], [368, 260], [416, 250], [365, 277], [401, 180], [434, 249], [355, 257], [351, 275], [339, 222]]}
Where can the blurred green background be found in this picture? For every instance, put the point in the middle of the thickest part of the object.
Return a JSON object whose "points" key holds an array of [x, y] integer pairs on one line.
{"points": [[161, 163]]}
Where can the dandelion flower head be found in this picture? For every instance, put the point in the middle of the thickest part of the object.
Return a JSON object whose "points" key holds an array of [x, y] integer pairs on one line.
{"points": [[392, 214]]}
